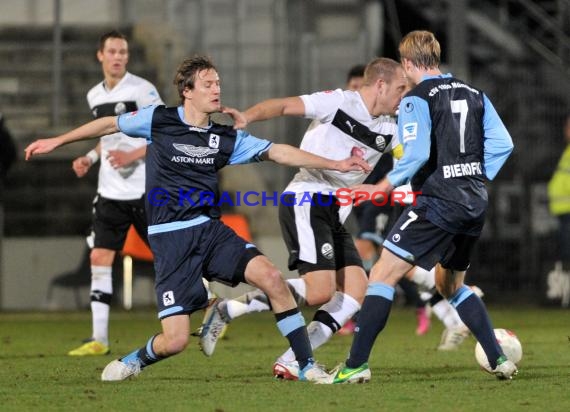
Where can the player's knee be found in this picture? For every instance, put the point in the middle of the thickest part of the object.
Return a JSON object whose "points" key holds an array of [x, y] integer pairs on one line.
{"points": [[262, 274], [176, 344], [273, 280], [320, 295], [102, 257]]}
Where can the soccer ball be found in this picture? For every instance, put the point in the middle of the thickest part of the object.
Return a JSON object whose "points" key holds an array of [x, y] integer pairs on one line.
{"points": [[509, 343]]}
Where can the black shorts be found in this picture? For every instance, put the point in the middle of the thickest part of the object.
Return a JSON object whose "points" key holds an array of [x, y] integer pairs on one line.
{"points": [[419, 242], [112, 219], [182, 257], [314, 236]]}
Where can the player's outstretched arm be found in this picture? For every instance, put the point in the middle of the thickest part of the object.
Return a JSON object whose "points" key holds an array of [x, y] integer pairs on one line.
{"points": [[267, 109], [96, 128], [291, 156]]}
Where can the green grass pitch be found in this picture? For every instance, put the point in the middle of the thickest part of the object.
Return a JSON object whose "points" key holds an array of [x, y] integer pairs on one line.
{"points": [[408, 374]]}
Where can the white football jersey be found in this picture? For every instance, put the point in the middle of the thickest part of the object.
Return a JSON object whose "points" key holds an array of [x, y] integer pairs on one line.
{"points": [[341, 126], [130, 94]]}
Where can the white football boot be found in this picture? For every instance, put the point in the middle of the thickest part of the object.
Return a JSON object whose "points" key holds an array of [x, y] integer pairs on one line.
{"points": [[505, 370], [119, 371], [315, 373], [287, 370], [213, 327], [452, 338]]}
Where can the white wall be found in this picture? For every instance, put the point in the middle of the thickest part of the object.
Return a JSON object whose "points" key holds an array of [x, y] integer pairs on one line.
{"points": [[30, 264], [92, 12], [17, 12]]}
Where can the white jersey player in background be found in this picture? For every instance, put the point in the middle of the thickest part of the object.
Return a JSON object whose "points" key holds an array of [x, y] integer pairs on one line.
{"points": [[121, 185], [320, 248]]}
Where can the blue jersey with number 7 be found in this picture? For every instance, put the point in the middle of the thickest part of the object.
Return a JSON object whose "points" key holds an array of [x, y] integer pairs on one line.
{"points": [[453, 141]]}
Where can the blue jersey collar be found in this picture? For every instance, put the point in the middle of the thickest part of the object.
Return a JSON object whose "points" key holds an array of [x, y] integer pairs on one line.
{"points": [[196, 128], [436, 76]]}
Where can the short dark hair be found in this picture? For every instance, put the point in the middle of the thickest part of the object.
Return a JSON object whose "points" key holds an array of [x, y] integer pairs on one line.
{"points": [[355, 71], [188, 70], [113, 34]]}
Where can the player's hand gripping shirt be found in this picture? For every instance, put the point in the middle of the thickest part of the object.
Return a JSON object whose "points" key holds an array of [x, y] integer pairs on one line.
{"points": [[341, 127], [182, 162], [130, 94]]}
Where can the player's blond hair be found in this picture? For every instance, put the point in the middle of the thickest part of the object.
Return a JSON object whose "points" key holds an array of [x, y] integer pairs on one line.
{"points": [[421, 48]]}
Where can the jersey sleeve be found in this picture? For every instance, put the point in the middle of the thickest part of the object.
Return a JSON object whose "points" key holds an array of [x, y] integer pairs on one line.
{"points": [[149, 96], [414, 127], [138, 123], [497, 144], [322, 106], [248, 148]]}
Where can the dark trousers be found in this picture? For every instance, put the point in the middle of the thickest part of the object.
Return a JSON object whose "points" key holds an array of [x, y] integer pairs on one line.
{"points": [[564, 240]]}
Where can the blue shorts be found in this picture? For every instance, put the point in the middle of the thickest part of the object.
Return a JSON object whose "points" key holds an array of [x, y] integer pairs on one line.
{"points": [[420, 242], [182, 257]]}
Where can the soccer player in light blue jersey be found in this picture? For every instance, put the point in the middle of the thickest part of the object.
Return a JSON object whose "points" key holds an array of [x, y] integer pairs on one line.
{"points": [[313, 214], [454, 140], [184, 153]]}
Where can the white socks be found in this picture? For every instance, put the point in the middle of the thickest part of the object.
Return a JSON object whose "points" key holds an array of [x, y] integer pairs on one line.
{"points": [[101, 281], [256, 301], [424, 278], [341, 308], [251, 302], [447, 314], [299, 290]]}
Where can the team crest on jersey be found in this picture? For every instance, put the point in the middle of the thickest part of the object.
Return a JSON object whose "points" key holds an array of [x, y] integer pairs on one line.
{"points": [[380, 143], [194, 151], [168, 298], [214, 142], [327, 251], [120, 108]]}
